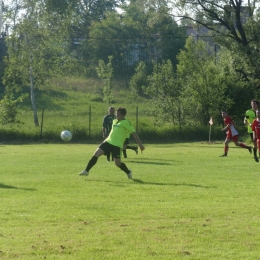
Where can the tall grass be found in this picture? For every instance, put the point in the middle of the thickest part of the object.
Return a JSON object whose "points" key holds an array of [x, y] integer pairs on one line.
{"points": [[76, 104]]}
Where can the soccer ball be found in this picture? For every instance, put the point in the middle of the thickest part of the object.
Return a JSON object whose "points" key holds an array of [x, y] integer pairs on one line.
{"points": [[66, 135]]}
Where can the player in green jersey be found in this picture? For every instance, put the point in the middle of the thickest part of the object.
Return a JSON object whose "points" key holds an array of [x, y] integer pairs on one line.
{"points": [[250, 116], [114, 143]]}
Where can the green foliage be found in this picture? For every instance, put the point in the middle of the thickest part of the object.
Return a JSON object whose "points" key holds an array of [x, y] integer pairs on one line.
{"points": [[38, 50], [3, 51], [142, 32], [105, 72], [8, 110], [203, 81], [139, 81], [233, 25], [165, 92], [9, 104]]}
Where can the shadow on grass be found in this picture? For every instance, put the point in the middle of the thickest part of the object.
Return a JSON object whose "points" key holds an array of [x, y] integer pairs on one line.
{"points": [[152, 161], [3, 186], [138, 181]]}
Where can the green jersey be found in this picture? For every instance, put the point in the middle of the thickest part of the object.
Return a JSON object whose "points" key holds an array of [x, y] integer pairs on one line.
{"points": [[120, 131], [250, 117]]}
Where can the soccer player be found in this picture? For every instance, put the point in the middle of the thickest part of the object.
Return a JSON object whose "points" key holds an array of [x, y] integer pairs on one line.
{"points": [[114, 143], [250, 116], [127, 146], [232, 134], [256, 132], [107, 125]]}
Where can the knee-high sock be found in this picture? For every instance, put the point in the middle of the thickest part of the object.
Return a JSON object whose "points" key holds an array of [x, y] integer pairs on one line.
{"points": [[91, 163], [124, 168], [226, 149], [243, 145], [124, 153]]}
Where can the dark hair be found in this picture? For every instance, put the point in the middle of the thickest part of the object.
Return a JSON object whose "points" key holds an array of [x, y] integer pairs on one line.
{"points": [[122, 111], [224, 110], [254, 101]]}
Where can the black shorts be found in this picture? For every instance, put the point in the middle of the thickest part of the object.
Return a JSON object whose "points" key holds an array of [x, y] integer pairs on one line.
{"points": [[109, 148], [126, 141]]}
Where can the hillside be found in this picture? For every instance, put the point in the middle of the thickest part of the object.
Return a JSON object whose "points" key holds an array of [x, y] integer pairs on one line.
{"points": [[77, 105]]}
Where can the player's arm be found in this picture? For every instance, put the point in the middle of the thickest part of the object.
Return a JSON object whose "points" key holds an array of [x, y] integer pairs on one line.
{"points": [[104, 131], [226, 128], [254, 136], [104, 124], [245, 120], [135, 135], [254, 131]]}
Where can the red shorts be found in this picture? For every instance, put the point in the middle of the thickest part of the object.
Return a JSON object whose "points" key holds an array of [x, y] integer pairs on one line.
{"points": [[233, 138]]}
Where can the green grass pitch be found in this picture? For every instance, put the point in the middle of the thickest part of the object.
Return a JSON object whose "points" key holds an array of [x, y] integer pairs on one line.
{"points": [[184, 202]]}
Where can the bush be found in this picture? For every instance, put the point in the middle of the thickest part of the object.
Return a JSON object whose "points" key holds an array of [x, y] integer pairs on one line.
{"points": [[8, 110]]}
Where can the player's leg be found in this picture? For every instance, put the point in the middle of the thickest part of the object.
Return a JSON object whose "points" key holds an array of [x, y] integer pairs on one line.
{"points": [[258, 147], [119, 163], [100, 151], [124, 152], [135, 148], [242, 145], [226, 147], [124, 148], [108, 157], [94, 158], [254, 145]]}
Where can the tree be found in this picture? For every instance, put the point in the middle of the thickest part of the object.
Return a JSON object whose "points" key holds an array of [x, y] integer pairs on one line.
{"points": [[139, 81], [142, 32], [37, 50], [164, 91], [85, 14], [204, 83], [107, 37], [157, 29], [232, 25], [105, 72], [2, 65]]}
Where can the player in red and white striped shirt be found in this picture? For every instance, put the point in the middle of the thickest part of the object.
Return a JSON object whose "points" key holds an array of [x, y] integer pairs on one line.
{"points": [[232, 134], [256, 132]]}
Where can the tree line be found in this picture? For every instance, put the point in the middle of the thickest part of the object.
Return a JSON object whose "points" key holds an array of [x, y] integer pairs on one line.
{"points": [[183, 77]]}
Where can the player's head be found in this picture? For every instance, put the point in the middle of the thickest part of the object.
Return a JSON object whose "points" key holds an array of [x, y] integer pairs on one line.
{"points": [[224, 113], [111, 111], [120, 113], [254, 104]]}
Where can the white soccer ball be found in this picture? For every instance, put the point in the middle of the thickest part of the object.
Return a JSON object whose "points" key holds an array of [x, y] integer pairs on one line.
{"points": [[66, 135]]}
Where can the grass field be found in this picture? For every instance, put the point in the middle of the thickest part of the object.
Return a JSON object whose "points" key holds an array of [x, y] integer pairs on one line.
{"points": [[184, 202]]}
